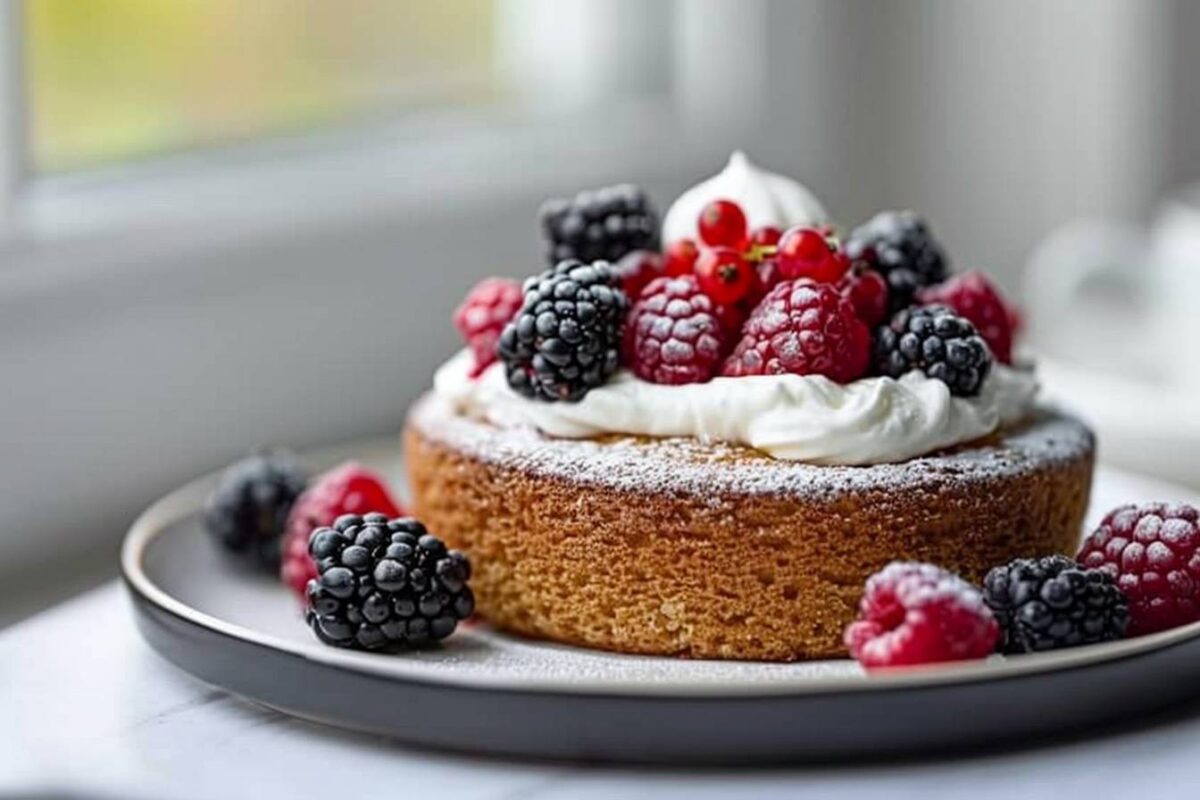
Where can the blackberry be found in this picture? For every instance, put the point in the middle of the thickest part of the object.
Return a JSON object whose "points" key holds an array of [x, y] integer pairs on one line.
{"points": [[1049, 603], [899, 246], [384, 584], [936, 341], [247, 512], [603, 224], [565, 339]]}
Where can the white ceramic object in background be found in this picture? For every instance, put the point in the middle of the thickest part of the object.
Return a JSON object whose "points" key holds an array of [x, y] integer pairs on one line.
{"points": [[1112, 314]]}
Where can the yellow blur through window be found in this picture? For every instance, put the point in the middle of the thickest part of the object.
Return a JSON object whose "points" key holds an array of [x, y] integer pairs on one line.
{"points": [[114, 80]]}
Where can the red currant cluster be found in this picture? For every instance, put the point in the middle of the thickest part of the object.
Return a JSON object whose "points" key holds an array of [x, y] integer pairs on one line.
{"points": [[736, 268]]}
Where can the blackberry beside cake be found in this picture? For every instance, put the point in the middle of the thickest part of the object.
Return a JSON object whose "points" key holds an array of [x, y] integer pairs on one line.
{"points": [[705, 451]]}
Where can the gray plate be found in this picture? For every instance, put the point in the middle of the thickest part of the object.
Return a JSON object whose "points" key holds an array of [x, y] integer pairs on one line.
{"points": [[488, 692]]}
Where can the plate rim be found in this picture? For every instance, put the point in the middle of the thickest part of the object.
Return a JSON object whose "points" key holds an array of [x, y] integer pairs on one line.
{"points": [[188, 500]]}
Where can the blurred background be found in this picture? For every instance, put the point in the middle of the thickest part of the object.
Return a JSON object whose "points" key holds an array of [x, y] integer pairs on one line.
{"points": [[227, 223]]}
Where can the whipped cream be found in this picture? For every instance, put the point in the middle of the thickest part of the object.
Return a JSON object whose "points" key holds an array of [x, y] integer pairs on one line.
{"points": [[765, 198], [799, 418]]}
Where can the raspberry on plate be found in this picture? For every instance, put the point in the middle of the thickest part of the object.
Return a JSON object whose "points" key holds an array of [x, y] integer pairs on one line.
{"points": [[974, 297], [1153, 551], [914, 613], [483, 314], [349, 488], [673, 334], [804, 328], [1052, 602]]}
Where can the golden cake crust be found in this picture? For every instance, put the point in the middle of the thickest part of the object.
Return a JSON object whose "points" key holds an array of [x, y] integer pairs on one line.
{"points": [[676, 547]]}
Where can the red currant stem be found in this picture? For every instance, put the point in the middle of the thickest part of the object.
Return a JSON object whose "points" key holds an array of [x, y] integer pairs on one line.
{"points": [[759, 252]]}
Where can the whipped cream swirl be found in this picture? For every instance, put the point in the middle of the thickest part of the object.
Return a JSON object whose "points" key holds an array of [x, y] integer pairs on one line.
{"points": [[799, 418], [765, 197]]}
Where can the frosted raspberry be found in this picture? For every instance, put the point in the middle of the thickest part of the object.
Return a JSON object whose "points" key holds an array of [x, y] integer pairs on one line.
{"points": [[1153, 551], [673, 334], [349, 488], [804, 328], [914, 613], [974, 297], [483, 314]]}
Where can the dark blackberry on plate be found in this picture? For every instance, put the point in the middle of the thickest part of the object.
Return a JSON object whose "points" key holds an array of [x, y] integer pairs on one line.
{"points": [[603, 224], [899, 246], [937, 342], [565, 339], [1053, 602], [385, 584], [247, 512]]}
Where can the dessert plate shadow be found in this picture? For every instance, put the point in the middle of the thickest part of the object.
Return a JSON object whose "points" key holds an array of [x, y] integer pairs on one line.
{"points": [[487, 692]]}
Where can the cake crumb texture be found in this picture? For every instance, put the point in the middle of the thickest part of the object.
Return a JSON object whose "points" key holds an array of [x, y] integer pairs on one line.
{"points": [[728, 554]]}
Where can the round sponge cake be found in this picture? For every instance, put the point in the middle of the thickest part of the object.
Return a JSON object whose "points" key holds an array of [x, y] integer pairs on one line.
{"points": [[710, 550]]}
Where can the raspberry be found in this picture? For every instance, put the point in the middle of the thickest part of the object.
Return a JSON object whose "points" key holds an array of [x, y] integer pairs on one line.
{"points": [[1153, 551], [349, 488], [674, 334], [637, 269], [1050, 603], [483, 314], [914, 613], [804, 328], [974, 297]]}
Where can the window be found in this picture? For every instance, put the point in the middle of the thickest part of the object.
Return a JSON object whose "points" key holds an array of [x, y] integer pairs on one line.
{"points": [[108, 81]]}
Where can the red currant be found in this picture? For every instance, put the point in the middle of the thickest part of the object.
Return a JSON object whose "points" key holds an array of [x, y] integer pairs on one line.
{"points": [[808, 253], [766, 236], [681, 257], [636, 269], [867, 291], [725, 275], [722, 224]]}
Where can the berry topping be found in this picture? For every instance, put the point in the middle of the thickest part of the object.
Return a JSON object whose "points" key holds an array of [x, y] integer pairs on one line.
{"points": [[809, 253], [867, 291], [565, 339], [766, 236], [247, 511], [898, 245], [1050, 603], [681, 257], [725, 275], [674, 334], [483, 314], [349, 488], [383, 584], [722, 224], [804, 328], [938, 342], [919, 614], [973, 296], [1153, 552], [636, 269], [604, 224]]}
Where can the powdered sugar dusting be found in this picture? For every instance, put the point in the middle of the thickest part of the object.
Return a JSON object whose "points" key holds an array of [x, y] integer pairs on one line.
{"points": [[693, 467]]}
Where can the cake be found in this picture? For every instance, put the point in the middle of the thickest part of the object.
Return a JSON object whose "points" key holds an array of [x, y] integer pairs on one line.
{"points": [[711, 466]]}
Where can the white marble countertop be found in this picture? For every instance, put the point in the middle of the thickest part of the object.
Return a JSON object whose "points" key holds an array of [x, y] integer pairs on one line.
{"points": [[89, 710]]}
